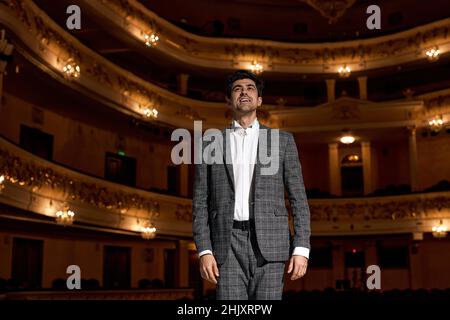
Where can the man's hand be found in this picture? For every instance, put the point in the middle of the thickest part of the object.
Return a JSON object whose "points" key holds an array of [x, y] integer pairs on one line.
{"points": [[208, 268], [299, 265]]}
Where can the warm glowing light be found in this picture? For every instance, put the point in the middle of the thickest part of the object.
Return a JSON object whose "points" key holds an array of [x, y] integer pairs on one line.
{"points": [[353, 157], [150, 112], [151, 40], [148, 231], [256, 67], [433, 54], [436, 123], [71, 69], [347, 139], [440, 230], [65, 216], [344, 71], [2, 179]]}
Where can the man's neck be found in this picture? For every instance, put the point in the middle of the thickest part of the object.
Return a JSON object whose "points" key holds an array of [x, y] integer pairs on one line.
{"points": [[245, 120]]}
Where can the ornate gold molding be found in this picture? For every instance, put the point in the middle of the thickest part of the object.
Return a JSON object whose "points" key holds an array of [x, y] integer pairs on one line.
{"points": [[39, 186], [126, 92], [31, 182], [411, 207], [50, 47], [35, 177], [135, 19], [331, 9], [435, 104], [184, 213]]}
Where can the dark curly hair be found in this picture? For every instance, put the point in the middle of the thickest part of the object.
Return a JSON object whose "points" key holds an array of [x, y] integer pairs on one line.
{"points": [[244, 74]]}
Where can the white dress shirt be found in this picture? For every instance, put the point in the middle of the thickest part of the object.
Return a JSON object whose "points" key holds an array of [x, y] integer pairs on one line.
{"points": [[243, 145], [244, 148]]}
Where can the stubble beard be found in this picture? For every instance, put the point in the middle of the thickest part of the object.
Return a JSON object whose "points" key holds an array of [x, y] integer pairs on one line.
{"points": [[242, 110]]}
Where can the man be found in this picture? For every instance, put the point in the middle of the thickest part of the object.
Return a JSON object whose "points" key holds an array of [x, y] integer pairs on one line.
{"points": [[240, 221]]}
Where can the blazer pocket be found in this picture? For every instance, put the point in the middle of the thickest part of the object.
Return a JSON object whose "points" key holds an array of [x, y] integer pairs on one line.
{"points": [[280, 212], [213, 213]]}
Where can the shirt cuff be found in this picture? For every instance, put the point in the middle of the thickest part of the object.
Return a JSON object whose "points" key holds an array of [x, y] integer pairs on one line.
{"points": [[301, 251], [204, 252]]}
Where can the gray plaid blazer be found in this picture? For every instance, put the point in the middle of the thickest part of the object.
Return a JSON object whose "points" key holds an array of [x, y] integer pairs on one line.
{"points": [[213, 202]]}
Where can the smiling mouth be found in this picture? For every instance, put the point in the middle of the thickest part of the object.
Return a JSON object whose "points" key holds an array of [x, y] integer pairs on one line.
{"points": [[245, 100]]}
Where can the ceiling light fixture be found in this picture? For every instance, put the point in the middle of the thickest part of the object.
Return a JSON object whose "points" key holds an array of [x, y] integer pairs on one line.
{"points": [[256, 67], [344, 71], [65, 217], [2, 179], [433, 54], [440, 230], [150, 112], [71, 69], [151, 40], [148, 231], [436, 123], [347, 137]]}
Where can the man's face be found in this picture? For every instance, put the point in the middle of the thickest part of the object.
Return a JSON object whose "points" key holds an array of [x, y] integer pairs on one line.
{"points": [[244, 96]]}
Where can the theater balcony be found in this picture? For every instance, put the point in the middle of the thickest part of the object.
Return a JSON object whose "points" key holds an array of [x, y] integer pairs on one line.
{"points": [[86, 122]]}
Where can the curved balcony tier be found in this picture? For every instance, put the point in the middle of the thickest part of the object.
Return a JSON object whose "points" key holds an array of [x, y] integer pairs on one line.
{"points": [[135, 21], [43, 188], [51, 48]]}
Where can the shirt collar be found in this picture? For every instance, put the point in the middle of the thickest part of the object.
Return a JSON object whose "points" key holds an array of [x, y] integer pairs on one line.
{"points": [[254, 125]]}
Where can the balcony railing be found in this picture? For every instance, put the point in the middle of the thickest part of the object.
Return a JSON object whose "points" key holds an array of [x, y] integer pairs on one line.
{"points": [[157, 294], [39, 186], [53, 50], [136, 21]]}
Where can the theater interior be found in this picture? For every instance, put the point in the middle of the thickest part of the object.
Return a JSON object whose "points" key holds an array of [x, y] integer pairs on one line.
{"points": [[87, 113]]}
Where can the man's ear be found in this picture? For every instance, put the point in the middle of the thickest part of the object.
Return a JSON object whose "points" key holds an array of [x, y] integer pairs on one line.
{"points": [[259, 101], [228, 101]]}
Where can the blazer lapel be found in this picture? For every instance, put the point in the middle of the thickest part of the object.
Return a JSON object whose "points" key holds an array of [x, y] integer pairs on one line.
{"points": [[264, 143], [227, 160], [261, 144]]}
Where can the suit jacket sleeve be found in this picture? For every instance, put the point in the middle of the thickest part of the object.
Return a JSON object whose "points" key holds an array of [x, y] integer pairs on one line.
{"points": [[201, 231], [293, 181]]}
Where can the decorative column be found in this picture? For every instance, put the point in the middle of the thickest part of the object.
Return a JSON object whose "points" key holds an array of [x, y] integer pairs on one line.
{"points": [[182, 267], [6, 50], [335, 169], [370, 253], [338, 261], [1, 83], [415, 266], [331, 84], [182, 83], [367, 166], [412, 142], [362, 81], [6, 256]]}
